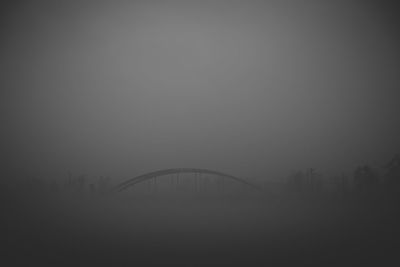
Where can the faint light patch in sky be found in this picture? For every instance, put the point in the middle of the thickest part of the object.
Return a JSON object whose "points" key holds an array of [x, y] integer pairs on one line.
{"points": [[249, 87]]}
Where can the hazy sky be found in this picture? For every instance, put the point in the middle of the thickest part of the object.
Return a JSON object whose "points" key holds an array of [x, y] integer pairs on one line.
{"points": [[253, 88]]}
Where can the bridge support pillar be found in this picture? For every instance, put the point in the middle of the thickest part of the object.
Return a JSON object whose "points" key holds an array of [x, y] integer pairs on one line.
{"points": [[177, 182], [195, 182]]}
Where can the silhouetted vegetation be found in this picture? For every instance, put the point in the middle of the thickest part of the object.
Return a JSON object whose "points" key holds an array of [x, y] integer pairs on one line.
{"points": [[319, 221]]}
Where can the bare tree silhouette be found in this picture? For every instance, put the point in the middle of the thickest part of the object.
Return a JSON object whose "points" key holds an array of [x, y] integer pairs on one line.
{"points": [[366, 180]]}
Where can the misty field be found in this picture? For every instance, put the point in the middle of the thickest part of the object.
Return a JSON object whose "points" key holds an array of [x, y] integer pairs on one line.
{"points": [[255, 230]]}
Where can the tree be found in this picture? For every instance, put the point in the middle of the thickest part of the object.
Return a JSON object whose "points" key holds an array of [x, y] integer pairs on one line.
{"points": [[365, 179], [392, 175], [296, 181]]}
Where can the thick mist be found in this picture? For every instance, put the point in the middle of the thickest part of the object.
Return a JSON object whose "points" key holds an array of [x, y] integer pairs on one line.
{"points": [[199, 133], [253, 88]]}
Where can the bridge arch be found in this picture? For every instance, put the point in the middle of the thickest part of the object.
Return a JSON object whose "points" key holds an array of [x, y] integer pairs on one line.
{"points": [[147, 176]]}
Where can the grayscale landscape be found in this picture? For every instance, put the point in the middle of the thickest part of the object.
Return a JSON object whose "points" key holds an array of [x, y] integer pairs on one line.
{"points": [[199, 133]]}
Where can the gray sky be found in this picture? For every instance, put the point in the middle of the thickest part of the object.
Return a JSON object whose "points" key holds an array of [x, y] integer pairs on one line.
{"points": [[252, 88]]}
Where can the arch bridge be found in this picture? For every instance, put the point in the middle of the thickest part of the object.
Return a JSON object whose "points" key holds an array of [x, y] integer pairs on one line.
{"points": [[178, 171]]}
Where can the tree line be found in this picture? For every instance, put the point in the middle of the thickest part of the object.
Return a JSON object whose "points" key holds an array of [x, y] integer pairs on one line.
{"points": [[365, 180]]}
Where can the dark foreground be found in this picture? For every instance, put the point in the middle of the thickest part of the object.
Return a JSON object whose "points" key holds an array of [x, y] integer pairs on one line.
{"points": [[40, 230]]}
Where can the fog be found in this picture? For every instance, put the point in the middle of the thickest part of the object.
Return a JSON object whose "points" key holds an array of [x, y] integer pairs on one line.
{"points": [[233, 133], [253, 88]]}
